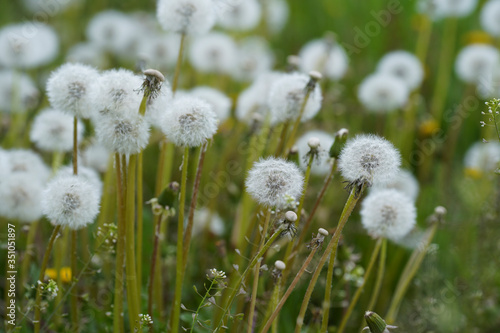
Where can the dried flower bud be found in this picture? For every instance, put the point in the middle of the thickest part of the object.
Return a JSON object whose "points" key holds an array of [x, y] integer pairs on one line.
{"points": [[291, 216], [323, 232]]}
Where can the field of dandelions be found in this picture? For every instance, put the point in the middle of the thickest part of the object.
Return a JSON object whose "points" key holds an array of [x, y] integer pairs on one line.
{"points": [[250, 166]]}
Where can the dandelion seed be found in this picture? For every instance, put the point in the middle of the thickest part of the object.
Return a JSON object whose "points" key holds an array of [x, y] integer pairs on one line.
{"points": [[272, 181], [70, 201], [388, 213], [189, 121], [369, 159]]}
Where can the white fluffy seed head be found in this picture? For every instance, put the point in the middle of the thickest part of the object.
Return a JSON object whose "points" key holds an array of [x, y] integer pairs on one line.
{"points": [[287, 96], [28, 163], [20, 197], [87, 174], [475, 62], [159, 50], [205, 220], [369, 159], [70, 201], [276, 15], [95, 156], [87, 53], [126, 134], [453, 8], [388, 213], [116, 92], [382, 92], [280, 265], [52, 130], [221, 104], [324, 56], [28, 93], [189, 121], [321, 166], [483, 156], [489, 17], [405, 182], [240, 15], [156, 107], [69, 89], [191, 17], [27, 45], [254, 58], [254, 100], [213, 52], [273, 182], [403, 65]]}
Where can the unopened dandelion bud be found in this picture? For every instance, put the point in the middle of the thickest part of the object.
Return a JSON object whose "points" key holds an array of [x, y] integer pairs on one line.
{"points": [[279, 265], [375, 323], [338, 143], [291, 216], [313, 143], [323, 232]]}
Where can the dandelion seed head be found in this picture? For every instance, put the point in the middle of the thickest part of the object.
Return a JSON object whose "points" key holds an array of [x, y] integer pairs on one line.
{"points": [[273, 181], [191, 17], [388, 213], [405, 182], [453, 8], [403, 65], [87, 53], [214, 52], [324, 56], [52, 130], [206, 220], [95, 156], [287, 96], [254, 58], [239, 15], [87, 174], [159, 50], [221, 104], [20, 197], [475, 62], [483, 156], [370, 159], [28, 93], [27, 162], [189, 121], [70, 201], [382, 92], [489, 17], [276, 14], [321, 166]]}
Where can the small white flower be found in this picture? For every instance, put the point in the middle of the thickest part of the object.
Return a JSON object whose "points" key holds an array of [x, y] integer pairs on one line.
{"points": [[70, 201], [276, 14], [324, 56], [221, 104], [69, 89], [52, 130], [213, 52], [403, 65], [254, 58], [489, 17], [95, 156], [254, 100], [382, 92], [20, 197], [475, 62], [321, 166], [370, 159], [287, 96], [388, 213], [483, 156], [273, 181], [240, 15], [189, 121], [27, 162], [28, 94], [405, 182], [192, 17], [28, 45]]}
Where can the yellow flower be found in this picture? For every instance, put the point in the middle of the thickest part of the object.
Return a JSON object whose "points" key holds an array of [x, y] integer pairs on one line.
{"points": [[473, 173], [51, 273], [428, 128], [481, 37], [64, 273]]}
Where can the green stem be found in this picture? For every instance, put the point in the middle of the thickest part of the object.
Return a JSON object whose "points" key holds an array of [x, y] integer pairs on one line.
{"points": [[178, 66], [409, 273], [296, 125], [120, 251], [38, 299], [358, 292], [278, 307], [180, 237], [28, 254], [140, 220], [130, 267], [154, 259], [74, 296], [195, 317], [331, 250], [255, 286]]}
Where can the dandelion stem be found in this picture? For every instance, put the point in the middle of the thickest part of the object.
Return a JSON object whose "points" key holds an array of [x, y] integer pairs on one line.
{"points": [[178, 66], [38, 298], [296, 125], [28, 254], [180, 237], [130, 267], [278, 307], [331, 250], [140, 220], [154, 258], [74, 296], [255, 286], [282, 138], [357, 294], [120, 251], [192, 207], [409, 272]]}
